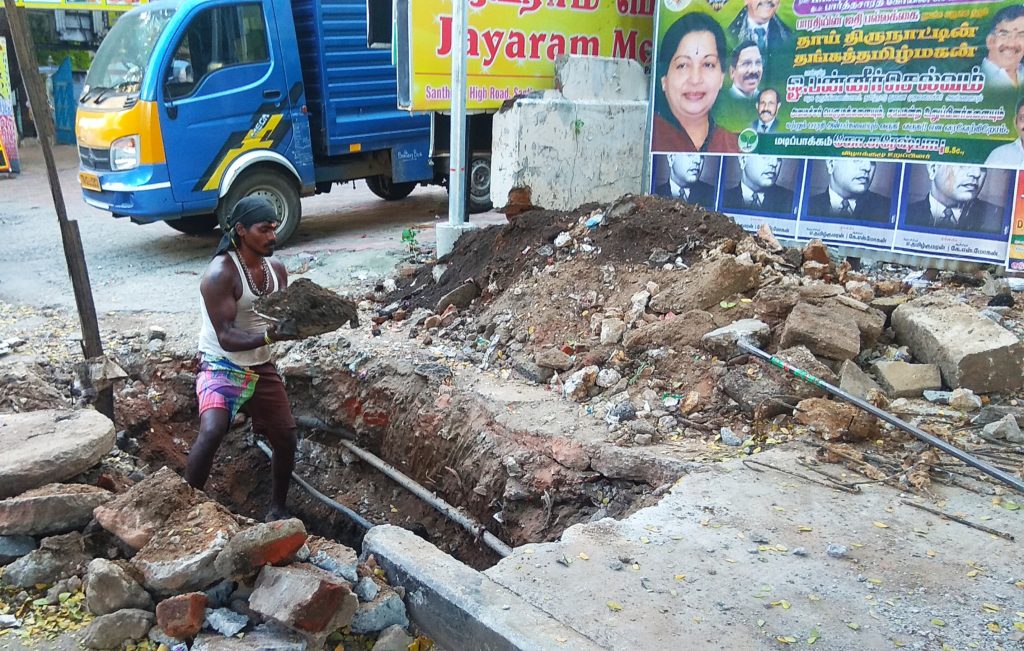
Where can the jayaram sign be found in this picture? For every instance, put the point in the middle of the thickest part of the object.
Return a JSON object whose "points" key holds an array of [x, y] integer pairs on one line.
{"points": [[513, 44]]}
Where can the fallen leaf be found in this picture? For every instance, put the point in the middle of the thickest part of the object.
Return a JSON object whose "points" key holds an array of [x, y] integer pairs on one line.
{"points": [[782, 602], [1019, 626], [881, 525], [938, 622], [614, 606], [788, 639], [875, 581], [760, 623], [584, 557], [727, 305], [802, 528], [679, 577], [992, 626], [930, 554], [854, 625], [898, 644], [561, 640], [990, 608], [972, 573], [813, 637], [645, 539]]}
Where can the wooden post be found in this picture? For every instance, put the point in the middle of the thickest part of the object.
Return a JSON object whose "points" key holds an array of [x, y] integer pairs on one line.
{"points": [[92, 346]]}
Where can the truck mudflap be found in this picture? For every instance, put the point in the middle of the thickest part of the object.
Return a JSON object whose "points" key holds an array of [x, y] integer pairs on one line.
{"points": [[143, 193], [410, 161]]}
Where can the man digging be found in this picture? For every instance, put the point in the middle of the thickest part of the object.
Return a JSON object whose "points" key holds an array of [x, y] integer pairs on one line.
{"points": [[235, 372]]}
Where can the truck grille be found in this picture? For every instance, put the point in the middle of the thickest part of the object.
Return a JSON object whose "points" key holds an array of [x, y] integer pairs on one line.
{"points": [[95, 159]]}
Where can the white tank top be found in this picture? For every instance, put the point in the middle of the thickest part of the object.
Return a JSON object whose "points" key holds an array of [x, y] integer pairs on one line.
{"points": [[245, 319]]}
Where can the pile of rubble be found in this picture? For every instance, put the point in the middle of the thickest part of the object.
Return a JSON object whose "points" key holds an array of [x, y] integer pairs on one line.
{"points": [[632, 310], [162, 566]]}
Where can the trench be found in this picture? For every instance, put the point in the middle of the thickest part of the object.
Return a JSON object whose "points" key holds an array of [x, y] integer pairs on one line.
{"points": [[501, 476]]}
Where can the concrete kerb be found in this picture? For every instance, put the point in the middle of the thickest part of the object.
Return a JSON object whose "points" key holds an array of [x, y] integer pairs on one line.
{"points": [[460, 608]]}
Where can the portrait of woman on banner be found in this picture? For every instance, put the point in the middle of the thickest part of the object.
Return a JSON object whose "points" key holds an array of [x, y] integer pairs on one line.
{"points": [[690, 74]]}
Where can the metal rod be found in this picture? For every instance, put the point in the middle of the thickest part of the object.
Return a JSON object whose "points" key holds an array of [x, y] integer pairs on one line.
{"points": [[955, 518], [952, 450], [344, 510], [472, 526]]}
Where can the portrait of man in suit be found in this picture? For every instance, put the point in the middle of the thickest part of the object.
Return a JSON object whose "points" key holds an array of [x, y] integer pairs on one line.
{"points": [[683, 182], [767, 110], [953, 201], [849, 195], [745, 70], [758, 189], [757, 22]]}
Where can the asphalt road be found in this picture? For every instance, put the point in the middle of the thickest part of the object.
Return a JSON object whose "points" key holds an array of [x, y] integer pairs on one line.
{"points": [[347, 237]]}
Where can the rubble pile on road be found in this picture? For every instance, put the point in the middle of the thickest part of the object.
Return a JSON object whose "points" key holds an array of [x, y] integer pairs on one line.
{"points": [[632, 309], [161, 566]]}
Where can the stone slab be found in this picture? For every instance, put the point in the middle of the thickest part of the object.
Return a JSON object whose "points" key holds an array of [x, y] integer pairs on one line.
{"points": [[51, 509], [822, 331], [42, 447], [972, 351], [903, 380], [855, 381], [460, 608]]}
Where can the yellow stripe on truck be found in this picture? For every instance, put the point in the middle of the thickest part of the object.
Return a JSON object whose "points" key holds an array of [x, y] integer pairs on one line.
{"points": [[255, 139], [97, 129]]}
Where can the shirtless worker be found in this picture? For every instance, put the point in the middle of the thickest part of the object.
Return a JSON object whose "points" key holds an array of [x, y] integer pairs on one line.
{"points": [[235, 372]]}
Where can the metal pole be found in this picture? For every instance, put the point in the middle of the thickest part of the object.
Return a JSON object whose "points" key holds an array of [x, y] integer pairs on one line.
{"points": [[457, 144], [934, 441]]}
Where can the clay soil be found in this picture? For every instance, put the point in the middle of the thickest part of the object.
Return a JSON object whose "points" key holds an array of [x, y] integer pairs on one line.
{"points": [[313, 309]]}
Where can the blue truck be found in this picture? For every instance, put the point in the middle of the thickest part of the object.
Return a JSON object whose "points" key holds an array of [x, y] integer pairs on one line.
{"points": [[191, 105]]}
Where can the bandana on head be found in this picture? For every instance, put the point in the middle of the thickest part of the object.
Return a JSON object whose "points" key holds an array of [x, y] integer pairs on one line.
{"points": [[248, 212]]}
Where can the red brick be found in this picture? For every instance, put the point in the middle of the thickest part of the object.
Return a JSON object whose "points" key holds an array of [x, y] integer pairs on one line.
{"points": [[182, 616]]}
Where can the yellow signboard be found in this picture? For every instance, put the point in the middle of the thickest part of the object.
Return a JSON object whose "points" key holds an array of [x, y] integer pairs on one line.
{"points": [[81, 5], [513, 44]]}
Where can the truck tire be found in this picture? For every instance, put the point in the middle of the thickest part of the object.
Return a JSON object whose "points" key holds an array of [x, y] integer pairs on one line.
{"points": [[195, 224], [277, 188], [386, 189], [479, 185]]}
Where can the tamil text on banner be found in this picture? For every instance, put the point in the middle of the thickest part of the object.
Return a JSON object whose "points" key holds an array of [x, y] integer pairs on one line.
{"points": [[895, 129], [513, 44], [8, 128]]}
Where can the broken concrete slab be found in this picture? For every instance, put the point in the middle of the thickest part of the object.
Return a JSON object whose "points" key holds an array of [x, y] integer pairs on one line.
{"points": [[137, 514], [42, 447], [553, 358], [333, 557], [263, 638], [822, 331], [113, 630], [51, 509], [837, 421], [58, 557], [1004, 429], [721, 342], [707, 283], [305, 599], [181, 556], [674, 333], [226, 621], [14, 547], [271, 543], [110, 587], [888, 304], [853, 380], [460, 608], [904, 380], [384, 610], [992, 413], [393, 639], [971, 350]]}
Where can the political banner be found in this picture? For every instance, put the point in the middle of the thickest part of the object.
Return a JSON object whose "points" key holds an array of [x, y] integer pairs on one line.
{"points": [[513, 45], [894, 126], [1015, 256], [8, 128]]}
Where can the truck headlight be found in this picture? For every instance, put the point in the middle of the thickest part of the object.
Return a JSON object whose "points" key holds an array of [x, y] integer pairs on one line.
{"points": [[124, 153]]}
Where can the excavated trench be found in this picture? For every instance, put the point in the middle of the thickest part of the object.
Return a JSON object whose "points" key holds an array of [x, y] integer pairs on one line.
{"points": [[522, 486]]}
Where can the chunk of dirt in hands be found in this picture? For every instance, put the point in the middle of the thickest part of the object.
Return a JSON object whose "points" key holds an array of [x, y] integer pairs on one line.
{"points": [[313, 309]]}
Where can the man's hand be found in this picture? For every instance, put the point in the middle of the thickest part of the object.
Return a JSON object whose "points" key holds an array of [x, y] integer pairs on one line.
{"points": [[285, 330]]}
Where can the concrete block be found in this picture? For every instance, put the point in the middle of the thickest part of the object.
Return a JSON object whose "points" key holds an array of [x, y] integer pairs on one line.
{"points": [[722, 342], [600, 78], [109, 588], [972, 351], [822, 331], [460, 608], [903, 380], [855, 381], [113, 630], [566, 152], [54, 508]]}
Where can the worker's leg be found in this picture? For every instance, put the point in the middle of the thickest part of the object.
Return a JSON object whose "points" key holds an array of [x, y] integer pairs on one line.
{"points": [[213, 425], [272, 418]]}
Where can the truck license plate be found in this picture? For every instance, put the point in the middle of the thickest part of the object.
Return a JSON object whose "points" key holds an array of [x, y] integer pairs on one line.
{"points": [[89, 181]]}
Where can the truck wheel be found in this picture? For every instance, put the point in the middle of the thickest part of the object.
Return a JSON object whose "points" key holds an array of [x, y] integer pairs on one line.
{"points": [[276, 188], [194, 225], [386, 189], [480, 185]]}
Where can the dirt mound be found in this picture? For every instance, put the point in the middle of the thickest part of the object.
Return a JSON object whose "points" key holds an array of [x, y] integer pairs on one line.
{"points": [[627, 230], [313, 309]]}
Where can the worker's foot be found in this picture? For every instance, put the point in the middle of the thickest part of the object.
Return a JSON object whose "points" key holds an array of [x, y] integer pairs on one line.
{"points": [[275, 514]]}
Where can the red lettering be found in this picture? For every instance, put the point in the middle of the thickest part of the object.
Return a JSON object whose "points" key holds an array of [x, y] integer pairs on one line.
{"points": [[556, 46], [585, 5], [585, 45]]}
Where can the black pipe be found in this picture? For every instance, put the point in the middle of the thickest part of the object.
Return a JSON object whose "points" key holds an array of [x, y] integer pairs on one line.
{"points": [[934, 441]]}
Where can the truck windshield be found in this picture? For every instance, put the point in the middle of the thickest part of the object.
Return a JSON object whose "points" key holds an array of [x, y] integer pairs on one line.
{"points": [[124, 54]]}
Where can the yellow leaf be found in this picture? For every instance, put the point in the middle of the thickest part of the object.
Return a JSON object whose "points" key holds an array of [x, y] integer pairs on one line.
{"points": [[803, 528], [898, 644], [584, 557], [636, 567], [645, 539], [813, 637], [875, 581], [881, 525], [781, 548], [972, 573], [614, 606], [938, 622], [814, 597], [789, 639], [992, 626], [856, 545], [561, 640], [1019, 626], [854, 625], [680, 577], [760, 623], [930, 554], [991, 608], [1019, 585], [782, 602], [779, 509]]}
